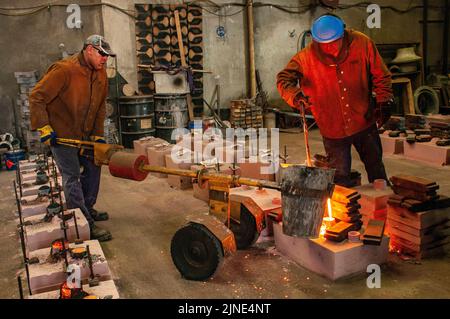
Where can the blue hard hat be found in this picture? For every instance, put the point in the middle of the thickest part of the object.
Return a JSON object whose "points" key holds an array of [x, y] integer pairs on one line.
{"points": [[327, 28]]}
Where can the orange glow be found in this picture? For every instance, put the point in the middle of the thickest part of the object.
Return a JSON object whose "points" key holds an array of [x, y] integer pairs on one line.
{"points": [[323, 229], [328, 221], [66, 292], [330, 212]]}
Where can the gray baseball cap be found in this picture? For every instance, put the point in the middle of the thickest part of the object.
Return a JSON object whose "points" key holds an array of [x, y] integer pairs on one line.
{"points": [[99, 42]]}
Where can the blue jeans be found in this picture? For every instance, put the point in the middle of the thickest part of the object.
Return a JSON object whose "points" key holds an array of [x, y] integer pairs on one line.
{"points": [[368, 146], [81, 178]]}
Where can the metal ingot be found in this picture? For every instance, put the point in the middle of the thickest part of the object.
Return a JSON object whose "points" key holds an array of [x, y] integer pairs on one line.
{"points": [[44, 191], [41, 178], [78, 252]]}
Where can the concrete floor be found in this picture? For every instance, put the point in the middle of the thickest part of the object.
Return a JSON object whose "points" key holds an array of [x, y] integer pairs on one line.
{"points": [[145, 215]]}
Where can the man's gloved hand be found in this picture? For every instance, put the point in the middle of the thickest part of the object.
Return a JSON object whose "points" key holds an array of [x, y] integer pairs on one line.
{"points": [[98, 139], [301, 100], [48, 136], [383, 112]]}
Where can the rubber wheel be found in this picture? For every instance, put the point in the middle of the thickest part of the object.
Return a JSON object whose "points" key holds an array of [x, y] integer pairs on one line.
{"points": [[245, 232], [196, 252]]}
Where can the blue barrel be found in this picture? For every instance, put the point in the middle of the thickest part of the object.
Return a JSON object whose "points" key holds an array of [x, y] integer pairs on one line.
{"points": [[12, 158]]}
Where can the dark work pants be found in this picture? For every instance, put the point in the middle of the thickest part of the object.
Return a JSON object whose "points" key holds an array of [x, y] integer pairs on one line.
{"points": [[81, 179], [368, 146]]}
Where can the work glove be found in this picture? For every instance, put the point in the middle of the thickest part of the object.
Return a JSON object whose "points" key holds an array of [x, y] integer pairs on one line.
{"points": [[98, 139], [48, 136], [301, 100]]}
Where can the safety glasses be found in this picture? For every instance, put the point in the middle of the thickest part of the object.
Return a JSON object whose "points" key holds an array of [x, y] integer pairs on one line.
{"points": [[101, 52]]}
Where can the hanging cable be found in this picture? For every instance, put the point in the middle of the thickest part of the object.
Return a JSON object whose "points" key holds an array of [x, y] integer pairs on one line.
{"points": [[10, 11]]}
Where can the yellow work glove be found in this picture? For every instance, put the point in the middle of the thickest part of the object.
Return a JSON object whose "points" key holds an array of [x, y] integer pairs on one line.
{"points": [[98, 139], [48, 136]]}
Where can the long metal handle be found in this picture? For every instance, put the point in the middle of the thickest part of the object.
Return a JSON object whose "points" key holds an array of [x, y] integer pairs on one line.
{"points": [[207, 176], [305, 134]]}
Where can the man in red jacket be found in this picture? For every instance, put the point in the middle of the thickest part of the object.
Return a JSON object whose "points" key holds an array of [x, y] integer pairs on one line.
{"points": [[343, 79]]}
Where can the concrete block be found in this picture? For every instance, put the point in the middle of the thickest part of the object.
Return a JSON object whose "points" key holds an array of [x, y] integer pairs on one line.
{"points": [[178, 182], [156, 156], [105, 289], [392, 145], [43, 234], [254, 170], [34, 205], [30, 164], [29, 188], [28, 177], [46, 276], [330, 259], [140, 146], [428, 152]]}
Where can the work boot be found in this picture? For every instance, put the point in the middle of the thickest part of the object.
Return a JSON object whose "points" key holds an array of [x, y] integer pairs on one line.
{"points": [[98, 216], [100, 234]]}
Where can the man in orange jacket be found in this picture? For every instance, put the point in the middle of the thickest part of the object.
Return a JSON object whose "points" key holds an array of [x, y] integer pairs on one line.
{"points": [[343, 79], [69, 102]]}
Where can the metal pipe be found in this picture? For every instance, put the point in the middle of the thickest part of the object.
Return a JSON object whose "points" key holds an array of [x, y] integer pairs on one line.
{"points": [[91, 268], [425, 38], [19, 283], [305, 133], [19, 208], [51, 192], [25, 258], [20, 178], [251, 49], [76, 225], [63, 241], [445, 40], [22, 243], [218, 98], [204, 175], [27, 272], [55, 173]]}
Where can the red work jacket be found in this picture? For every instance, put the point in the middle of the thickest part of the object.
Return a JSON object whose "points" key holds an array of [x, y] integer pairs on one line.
{"points": [[339, 89]]}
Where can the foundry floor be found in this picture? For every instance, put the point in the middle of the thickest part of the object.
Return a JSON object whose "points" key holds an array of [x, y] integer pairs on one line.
{"points": [[145, 215]]}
